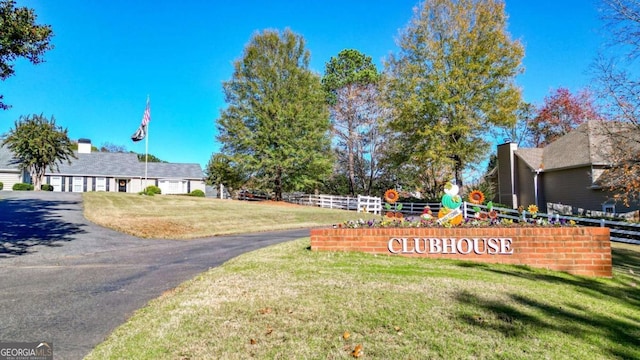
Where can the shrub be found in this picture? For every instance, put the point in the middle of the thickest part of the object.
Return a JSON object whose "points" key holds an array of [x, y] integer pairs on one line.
{"points": [[197, 192], [1, 185], [151, 190], [46, 187], [22, 187]]}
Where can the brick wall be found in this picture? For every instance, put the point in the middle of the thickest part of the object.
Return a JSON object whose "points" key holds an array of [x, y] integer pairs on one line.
{"points": [[576, 250]]}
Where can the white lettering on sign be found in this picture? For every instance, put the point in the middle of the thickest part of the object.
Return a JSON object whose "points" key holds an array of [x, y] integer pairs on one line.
{"points": [[449, 216], [464, 246]]}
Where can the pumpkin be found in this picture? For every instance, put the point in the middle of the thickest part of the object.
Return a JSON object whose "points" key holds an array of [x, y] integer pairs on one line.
{"points": [[456, 220]]}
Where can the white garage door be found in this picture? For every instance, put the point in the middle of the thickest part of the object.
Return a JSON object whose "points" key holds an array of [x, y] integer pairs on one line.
{"points": [[8, 179], [173, 186]]}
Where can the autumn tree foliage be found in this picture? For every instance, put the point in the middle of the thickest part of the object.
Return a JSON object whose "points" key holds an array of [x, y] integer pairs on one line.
{"points": [[351, 84], [560, 113], [20, 37], [617, 85], [451, 82]]}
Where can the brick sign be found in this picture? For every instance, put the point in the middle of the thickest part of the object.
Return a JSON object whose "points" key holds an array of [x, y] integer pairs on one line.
{"points": [[576, 250]]}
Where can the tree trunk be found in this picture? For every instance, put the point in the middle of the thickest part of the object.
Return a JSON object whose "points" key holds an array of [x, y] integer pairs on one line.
{"points": [[278, 185], [36, 179], [458, 170], [351, 166]]}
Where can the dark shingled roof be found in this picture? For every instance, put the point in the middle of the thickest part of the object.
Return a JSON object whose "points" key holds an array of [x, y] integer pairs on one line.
{"points": [[125, 165], [174, 170], [7, 161], [102, 164]]}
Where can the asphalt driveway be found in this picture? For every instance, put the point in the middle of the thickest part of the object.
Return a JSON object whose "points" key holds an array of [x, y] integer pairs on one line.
{"points": [[71, 282]]}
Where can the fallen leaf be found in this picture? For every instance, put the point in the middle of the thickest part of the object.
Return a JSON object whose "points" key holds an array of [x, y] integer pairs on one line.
{"points": [[357, 352], [252, 341], [346, 335], [397, 328], [269, 330], [266, 310]]}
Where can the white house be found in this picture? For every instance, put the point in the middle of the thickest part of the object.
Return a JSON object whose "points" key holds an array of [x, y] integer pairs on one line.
{"points": [[115, 172]]}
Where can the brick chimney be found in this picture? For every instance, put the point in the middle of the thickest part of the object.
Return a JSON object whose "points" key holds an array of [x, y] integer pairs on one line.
{"points": [[507, 188], [84, 146]]}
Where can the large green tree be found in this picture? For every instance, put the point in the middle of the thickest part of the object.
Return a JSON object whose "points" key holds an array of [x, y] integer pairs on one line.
{"points": [[276, 124], [221, 169], [20, 36], [351, 83], [451, 82], [39, 144]]}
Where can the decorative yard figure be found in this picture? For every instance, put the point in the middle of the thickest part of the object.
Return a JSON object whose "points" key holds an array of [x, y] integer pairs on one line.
{"points": [[391, 196], [450, 213]]}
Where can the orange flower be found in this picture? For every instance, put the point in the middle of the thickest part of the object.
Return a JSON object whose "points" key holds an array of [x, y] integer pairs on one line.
{"points": [[476, 197], [391, 196], [390, 214], [493, 214], [399, 215]]}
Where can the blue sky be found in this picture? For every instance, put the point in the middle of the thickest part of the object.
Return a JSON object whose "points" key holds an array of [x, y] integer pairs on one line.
{"points": [[109, 55]]}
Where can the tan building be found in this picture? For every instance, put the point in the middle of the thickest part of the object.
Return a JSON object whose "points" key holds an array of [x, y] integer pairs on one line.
{"points": [[10, 172], [568, 171]]}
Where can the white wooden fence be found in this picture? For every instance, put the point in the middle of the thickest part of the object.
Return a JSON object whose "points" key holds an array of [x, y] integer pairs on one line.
{"points": [[370, 204], [621, 231]]}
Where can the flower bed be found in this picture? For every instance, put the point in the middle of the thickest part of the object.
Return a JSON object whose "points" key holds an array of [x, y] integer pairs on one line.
{"points": [[576, 250]]}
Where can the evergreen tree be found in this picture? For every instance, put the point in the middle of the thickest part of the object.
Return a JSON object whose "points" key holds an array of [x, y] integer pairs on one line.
{"points": [[276, 125]]}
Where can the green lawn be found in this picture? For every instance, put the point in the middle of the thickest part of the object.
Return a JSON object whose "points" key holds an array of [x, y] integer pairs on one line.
{"points": [[288, 302], [185, 217]]}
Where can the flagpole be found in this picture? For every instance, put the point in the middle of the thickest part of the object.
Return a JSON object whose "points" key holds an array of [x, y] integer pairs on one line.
{"points": [[146, 149]]}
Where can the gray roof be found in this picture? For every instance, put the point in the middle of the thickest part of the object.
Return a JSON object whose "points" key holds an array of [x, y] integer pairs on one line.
{"points": [[174, 170], [531, 157], [7, 161], [591, 143], [101, 164], [125, 165]]}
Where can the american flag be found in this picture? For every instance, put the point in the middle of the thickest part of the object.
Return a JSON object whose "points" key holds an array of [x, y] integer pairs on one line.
{"points": [[146, 117], [141, 133]]}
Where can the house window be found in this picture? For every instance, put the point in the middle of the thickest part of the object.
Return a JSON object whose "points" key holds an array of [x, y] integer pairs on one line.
{"points": [[609, 208], [56, 182], [78, 183], [101, 184]]}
